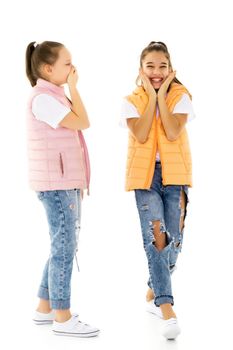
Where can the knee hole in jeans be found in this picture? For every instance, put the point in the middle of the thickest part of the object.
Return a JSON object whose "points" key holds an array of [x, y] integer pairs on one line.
{"points": [[160, 235], [183, 207]]}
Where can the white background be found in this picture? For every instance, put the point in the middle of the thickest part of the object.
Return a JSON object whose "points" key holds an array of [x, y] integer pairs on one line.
{"points": [[105, 39]]}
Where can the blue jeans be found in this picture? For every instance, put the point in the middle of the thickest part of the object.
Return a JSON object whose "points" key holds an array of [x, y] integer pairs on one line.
{"points": [[63, 210], [161, 203]]}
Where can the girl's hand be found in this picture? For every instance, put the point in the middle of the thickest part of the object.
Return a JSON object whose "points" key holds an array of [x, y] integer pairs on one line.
{"points": [[72, 78], [147, 84], [164, 87]]}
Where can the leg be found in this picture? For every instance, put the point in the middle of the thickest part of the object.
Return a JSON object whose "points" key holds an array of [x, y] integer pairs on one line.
{"points": [[151, 211], [150, 295], [160, 243], [183, 207], [44, 304], [175, 210], [175, 202], [159, 236], [62, 213]]}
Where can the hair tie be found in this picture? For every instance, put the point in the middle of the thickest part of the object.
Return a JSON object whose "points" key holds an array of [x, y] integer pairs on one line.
{"points": [[157, 43]]}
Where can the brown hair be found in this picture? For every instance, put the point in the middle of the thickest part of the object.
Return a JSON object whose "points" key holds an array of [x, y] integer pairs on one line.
{"points": [[158, 46], [37, 54]]}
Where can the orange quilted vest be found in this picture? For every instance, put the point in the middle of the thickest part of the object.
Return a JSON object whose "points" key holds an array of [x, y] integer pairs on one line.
{"points": [[175, 155]]}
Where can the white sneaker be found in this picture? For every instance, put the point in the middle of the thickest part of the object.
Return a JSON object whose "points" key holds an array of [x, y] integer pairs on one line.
{"points": [[171, 329], [74, 328], [153, 309], [41, 318]]}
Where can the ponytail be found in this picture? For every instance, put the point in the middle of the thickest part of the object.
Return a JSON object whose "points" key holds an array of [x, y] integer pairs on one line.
{"points": [[29, 71]]}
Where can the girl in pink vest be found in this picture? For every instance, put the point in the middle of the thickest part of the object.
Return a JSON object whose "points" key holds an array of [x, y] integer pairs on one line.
{"points": [[58, 171]]}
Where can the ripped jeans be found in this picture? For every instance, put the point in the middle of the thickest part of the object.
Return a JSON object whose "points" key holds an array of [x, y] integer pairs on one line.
{"points": [[63, 210], [163, 204]]}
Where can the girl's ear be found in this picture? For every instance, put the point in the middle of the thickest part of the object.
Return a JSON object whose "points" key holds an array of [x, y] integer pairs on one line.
{"points": [[47, 69]]}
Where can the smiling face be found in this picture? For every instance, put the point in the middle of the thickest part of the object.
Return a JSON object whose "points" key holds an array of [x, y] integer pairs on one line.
{"points": [[58, 72], [156, 66]]}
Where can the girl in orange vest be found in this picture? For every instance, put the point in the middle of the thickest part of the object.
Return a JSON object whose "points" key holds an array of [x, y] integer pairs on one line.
{"points": [[159, 171]]}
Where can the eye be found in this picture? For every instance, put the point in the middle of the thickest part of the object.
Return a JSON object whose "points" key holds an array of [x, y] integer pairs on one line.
{"points": [[149, 67]]}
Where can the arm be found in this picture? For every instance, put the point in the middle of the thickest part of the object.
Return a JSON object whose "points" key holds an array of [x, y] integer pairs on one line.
{"points": [[173, 123], [77, 119], [140, 127]]}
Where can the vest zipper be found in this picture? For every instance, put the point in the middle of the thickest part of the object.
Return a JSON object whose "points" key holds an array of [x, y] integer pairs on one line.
{"points": [[151, 169]]}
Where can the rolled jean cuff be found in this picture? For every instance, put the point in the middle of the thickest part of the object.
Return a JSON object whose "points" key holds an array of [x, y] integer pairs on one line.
{"points": [[60, 304], [164, 299], [43, 293]]}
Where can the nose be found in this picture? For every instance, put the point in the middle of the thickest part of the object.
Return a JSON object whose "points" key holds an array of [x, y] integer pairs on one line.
{"points": [[156, 71]]}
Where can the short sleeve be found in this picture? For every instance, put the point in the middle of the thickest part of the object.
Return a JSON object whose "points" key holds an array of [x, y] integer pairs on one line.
{"points": [[48, 109], [128, 110], [184, 106]]}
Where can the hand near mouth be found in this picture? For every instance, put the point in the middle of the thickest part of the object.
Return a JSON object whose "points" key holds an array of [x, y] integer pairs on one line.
{"points": [[72, 78], [148, 87], [165, 85]]}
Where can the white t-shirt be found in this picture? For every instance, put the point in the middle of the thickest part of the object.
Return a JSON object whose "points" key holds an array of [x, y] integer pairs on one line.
{"points": [[184, 106], [49, 110]]}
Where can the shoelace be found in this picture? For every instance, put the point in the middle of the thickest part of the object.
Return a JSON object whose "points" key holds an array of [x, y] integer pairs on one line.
{"points": [[78, 321], [171, 321]]}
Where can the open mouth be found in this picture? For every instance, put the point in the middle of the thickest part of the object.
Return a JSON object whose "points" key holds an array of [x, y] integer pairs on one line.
{"points": [[156, 80]]}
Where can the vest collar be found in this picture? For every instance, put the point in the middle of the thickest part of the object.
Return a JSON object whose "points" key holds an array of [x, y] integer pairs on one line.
{"points": [[59, 90]]}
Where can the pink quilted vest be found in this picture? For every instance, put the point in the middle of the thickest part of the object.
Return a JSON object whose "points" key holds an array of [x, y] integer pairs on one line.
{"points": [[58, 158]]}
